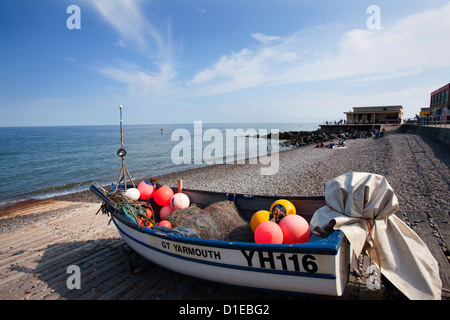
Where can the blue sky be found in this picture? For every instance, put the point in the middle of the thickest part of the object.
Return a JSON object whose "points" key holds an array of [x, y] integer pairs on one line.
{"points": [[178, 61]]}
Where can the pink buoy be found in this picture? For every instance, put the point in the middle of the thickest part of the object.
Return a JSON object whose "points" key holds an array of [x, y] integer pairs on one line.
{"points": [[165, 212], [295, 229], [179, 201], [162, 195], [269, 233], [146, 189]]}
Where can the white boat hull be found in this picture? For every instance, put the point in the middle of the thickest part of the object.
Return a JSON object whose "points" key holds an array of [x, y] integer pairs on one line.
{"points": [[286, 268]]}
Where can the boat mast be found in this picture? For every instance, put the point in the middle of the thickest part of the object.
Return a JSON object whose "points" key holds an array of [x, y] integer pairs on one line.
{"points": [[121, 153]]}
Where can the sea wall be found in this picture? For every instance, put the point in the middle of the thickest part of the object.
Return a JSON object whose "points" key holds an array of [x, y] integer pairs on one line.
{"points": [[439, 133], [338, 128], [305, 138]]}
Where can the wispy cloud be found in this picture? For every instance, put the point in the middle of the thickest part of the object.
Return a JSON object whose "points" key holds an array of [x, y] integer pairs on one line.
{"points": [[127, 19], [265, 39], [136, 32], [412, 44], [120, 43], [70, 59], [204, 11], [140, 82]]}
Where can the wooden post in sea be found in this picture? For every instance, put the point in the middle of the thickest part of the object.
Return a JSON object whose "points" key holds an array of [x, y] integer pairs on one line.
{"points": [[121, 153]]}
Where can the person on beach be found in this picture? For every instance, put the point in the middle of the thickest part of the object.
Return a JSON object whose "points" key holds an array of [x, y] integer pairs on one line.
{"points": [[342, 143]]}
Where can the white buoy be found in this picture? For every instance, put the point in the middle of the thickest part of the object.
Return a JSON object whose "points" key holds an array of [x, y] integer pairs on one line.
{"points": [[179, 201], [132, 193]]}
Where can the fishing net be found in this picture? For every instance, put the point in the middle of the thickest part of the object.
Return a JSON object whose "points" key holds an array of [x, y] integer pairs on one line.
{"points": [[219, 221], [139, 212]]}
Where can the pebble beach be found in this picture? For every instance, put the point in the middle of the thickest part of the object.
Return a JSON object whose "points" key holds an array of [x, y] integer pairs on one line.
{"points": [[417, 167]]}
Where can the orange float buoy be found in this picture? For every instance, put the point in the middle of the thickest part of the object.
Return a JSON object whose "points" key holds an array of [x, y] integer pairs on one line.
{"points": [[165, 223], [162, 195], [149, 213], [258, 218]]}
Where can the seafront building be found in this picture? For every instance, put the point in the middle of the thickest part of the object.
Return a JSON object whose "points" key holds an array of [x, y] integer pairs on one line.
{"points": [[375, 114], [440, 104]]}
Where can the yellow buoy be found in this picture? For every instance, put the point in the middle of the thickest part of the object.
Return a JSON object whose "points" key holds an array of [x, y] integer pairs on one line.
{"points": [[258, 218], [281, 208]]}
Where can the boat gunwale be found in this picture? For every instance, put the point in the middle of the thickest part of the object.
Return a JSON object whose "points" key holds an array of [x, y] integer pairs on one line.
{"points": [[325, 246]]}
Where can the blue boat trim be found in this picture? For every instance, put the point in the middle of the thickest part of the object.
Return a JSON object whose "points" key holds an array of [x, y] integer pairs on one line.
{"points": [[222, 265], [328, 246]]}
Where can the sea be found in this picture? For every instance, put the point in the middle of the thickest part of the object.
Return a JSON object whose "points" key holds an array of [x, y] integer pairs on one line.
{"points": [[41, 162]]}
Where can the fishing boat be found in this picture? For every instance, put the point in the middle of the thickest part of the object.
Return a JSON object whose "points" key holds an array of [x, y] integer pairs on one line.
{"points": [[318, 267]]}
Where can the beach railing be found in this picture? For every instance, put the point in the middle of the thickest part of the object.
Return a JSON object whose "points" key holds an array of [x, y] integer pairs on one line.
{"points": [[436, 121]]}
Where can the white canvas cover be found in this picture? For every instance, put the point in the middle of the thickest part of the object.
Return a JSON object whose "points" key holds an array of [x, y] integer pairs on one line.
{"points": [[363, 206]]}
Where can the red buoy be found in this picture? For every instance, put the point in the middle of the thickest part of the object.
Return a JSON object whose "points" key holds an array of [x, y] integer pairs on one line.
{"points": [[165, 223], [162, 195]]}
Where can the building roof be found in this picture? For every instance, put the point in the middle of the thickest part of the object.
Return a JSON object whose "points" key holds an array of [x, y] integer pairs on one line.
{"points": [[447, 86], [376, 109]]}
